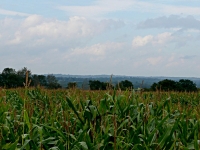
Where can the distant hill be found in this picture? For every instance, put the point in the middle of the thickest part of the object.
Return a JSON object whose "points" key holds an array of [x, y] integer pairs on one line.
{"points": [[83, 80]]}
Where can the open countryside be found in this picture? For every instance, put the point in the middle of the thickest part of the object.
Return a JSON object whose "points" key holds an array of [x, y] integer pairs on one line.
{"points": [[33, 116], [100, 75]]}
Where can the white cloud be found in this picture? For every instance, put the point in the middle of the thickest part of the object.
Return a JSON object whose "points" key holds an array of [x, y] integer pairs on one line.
{"points": [[173, 64], [16, 40], [50, 43], [12, 13], [167, 9], [86, 46], [101, 7], [96, 50], [154, 60], [142, 41], [36, 31], [162, 38], [98, 7], [32, 21], [9, 23], [159, 39], [170, 9]]}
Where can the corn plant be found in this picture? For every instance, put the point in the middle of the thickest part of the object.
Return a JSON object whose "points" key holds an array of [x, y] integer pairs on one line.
{"points": [[98, 120]]}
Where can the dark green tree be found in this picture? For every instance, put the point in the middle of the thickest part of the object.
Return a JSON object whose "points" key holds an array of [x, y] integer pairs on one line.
{"points": [[124, 85], [97, 85], [170, 85], [1, 81], [52, 82], [39, 80], [186, 85], [9, 79], [8, 71], [71, 85], [167, 85], [22, 72], [154, 86], [22, 75]]}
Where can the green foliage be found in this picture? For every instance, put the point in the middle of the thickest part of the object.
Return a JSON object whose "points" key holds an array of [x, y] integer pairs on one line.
{"points": [[22, 72], [12, 79], [124, 85], [52, 82], [71, 85], [170, 85], [9, 79], [97, 85], [39, 80], [98, 120], [8, 71], [186, 85]]}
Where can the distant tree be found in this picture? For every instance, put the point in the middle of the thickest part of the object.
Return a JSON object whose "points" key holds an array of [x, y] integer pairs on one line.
{"points": [[1, 81], [35, 80], [8, 71], [22, 72], [22, 75], [154, 86], [97, 85], [39, 80], [42, 80], [10, 79], [167, 85], [124, 85], [52, 82], [170, 85], [71, 85], [186, 85]]}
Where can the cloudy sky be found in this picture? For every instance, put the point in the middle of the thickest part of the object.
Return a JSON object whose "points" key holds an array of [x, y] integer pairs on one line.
{"points": [[91, 37]]}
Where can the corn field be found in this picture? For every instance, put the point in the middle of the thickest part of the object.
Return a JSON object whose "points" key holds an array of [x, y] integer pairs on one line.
{"points": [[73, 119]]}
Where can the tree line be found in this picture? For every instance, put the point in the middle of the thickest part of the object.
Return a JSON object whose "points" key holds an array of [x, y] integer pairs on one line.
{"points": [[169, 85], [183, 85], [9, 78], [123, 85]]}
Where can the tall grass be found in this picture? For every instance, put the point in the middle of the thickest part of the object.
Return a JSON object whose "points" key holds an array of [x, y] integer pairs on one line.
{"points": [[98, 120]]}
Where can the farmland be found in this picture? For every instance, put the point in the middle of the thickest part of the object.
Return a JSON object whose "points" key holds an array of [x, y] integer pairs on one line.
{"points": [[36, 118]]}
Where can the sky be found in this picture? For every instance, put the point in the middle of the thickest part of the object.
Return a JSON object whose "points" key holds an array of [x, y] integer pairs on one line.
{"points": [[94, 37]]}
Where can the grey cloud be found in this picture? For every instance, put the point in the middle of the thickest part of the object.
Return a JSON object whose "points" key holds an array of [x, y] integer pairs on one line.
{"points": [[173, 21], [188, 57]]}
